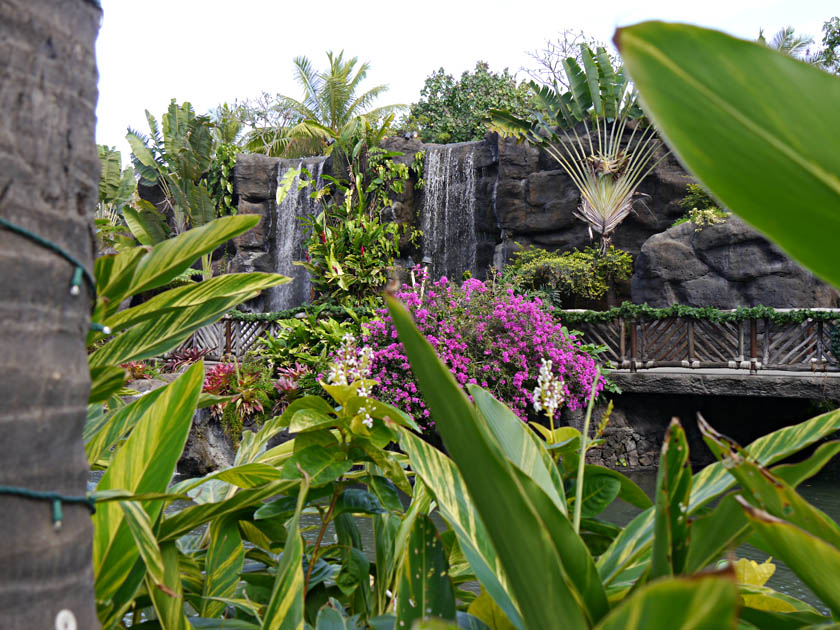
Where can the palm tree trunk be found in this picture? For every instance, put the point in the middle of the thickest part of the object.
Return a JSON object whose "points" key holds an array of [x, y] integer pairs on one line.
{"points": [[49, 173]]}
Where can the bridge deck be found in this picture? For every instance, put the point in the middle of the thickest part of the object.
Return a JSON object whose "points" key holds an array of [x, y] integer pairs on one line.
{"points": [[726, 382]]}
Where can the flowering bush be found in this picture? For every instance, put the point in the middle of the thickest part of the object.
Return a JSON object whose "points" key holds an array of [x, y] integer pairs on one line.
{"points": [[487, 335]]}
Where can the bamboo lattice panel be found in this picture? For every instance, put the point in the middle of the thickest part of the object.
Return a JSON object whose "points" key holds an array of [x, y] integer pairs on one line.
{"points": [[607, 334], [663, 341], [792, 345], [719, 342]]}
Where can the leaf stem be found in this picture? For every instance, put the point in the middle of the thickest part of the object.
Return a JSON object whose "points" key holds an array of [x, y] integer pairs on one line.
{"points": [[324, 522], [584, 438]]}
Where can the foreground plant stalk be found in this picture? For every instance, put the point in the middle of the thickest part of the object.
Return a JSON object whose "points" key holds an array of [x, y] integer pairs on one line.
{"points": [[584, 439]]}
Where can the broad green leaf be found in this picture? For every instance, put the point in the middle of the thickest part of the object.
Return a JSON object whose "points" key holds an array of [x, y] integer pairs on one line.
{"points": [[144, 538], [183, 522], [222, 624], [175, 255], [629, 491], [767, 154], [144, 463], [704, 602], [169, 603], [313, 403], [321, 465], [108, 429], [222, 565], [711, 534], [578, 565], [440, 475], [146, 227], [244, 476], [815, 562], [484, 608], [329, 619], [425, 589], [194, 295], [673, 487], [165, 332], [533, 569], [519, 445], [284, 610], [357, 501], [310, 420], [598, 492], [767, 492], [630, 549], [114, 272], [105, 381]]}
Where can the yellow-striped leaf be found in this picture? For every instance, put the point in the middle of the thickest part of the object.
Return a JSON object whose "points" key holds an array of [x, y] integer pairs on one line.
{"points": [[168, 598], [531, 563], [222, 565], [285, 606], [144, 463]]}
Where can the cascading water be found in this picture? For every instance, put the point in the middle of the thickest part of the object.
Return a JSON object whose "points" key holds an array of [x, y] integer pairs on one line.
{"points": [[290, 234], [447, 215]]}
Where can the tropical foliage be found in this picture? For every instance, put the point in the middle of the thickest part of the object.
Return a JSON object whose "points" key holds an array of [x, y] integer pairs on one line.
{"points": [[603, 143], [458, 111], [332, 110], [557, 276]]}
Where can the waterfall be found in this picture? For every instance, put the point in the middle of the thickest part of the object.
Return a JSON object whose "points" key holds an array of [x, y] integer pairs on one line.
{"points": [[447, 215], [290, 234]]}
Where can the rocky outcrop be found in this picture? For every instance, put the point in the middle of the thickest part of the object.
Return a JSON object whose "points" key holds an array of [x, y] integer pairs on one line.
{"points": [[725, 265], [208, 447]]}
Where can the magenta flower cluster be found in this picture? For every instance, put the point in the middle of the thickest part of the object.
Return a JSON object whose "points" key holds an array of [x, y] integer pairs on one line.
{"points": [[487, 335]]}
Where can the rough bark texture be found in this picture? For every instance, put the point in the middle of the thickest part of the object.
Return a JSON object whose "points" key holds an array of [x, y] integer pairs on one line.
{"points": [[49, 174]]}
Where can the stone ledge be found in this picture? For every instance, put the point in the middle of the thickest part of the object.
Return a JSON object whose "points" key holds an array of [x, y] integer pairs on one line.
{"points": [[729, 383]]}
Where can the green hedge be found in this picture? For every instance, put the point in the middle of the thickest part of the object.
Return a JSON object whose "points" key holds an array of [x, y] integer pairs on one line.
{"points": [[637, 311], [307, 309]]}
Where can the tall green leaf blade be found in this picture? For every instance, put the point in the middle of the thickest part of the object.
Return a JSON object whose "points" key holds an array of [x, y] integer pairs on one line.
{"points": [[169, 602], [144, 538], [815, 562], [222, 565], [174, 256], [578, 86], [520, 446], [188, 519], [717, 101], [144, 463], [114, 274], [425, 589], [670, 521], [284, 610], [194, 295], [441, 476], [104, 432], [706, 602], [592, 79], [156, 336], [631, 546], [530, 562], [105, 381]]}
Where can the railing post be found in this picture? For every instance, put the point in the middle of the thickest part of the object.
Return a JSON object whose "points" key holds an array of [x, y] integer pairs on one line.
{"points": [[622, 344], [633, 346], [753, 346], [228, 336], [690, 326]]}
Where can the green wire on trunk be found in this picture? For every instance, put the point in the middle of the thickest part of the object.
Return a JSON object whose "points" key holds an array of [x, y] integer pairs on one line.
{"points": [[54, 497]]}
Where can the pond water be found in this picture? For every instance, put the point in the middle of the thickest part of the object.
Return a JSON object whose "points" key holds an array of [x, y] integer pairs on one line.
{"points": [[821, 491]]}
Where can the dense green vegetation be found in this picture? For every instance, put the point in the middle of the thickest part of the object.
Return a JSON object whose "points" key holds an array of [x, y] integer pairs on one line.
{"points": [[273, 542]]}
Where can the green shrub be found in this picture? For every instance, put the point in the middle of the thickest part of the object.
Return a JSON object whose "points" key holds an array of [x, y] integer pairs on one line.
{"points": [[701, 209], [586, 274]]}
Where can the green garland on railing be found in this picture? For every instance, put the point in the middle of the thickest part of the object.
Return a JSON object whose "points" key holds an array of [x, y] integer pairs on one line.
{"points": [[629, 310], [307, 309]]}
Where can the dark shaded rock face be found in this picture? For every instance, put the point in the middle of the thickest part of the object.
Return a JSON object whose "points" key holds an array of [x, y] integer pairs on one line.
{"points": [[482, 200], [726, 265]]}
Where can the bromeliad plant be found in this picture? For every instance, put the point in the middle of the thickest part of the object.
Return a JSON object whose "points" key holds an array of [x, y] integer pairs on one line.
{"points": [[597, 133]]}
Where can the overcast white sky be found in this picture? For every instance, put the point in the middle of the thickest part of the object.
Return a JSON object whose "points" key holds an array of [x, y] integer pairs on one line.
{"points": [[211, 51]]}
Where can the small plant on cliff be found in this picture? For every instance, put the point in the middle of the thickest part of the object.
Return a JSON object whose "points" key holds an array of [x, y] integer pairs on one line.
{"points": [[588, 274], [597, 133], [701, 209], [488, 336], [249, 387], [351, 247]]}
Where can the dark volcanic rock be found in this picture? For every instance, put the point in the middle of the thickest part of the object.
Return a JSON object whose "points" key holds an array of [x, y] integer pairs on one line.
{"points": [[726, 265]]}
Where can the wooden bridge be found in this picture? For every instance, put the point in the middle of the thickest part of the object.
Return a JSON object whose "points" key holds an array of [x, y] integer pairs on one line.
{"points": [[752, 344], [667, 355]]}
